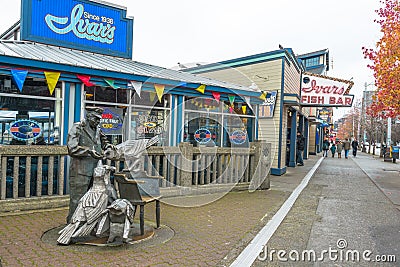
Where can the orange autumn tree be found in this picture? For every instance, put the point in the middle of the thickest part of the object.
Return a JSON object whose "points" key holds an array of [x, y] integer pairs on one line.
{"points": [[386, 62]]}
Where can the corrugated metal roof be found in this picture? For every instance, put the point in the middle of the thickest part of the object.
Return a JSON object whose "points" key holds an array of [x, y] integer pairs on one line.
{"points": [[66, 56]]}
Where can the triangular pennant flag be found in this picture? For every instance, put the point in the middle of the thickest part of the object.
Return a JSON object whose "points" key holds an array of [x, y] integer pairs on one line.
{"points": [[52, 79], [19, 77], [247, 99], [230, 109], [263, 96], [201, 88], [111, 84], [85, 79], [244, 109], [217, 96], [159, 90], [137, 86], [152, 96], [231, 99]]}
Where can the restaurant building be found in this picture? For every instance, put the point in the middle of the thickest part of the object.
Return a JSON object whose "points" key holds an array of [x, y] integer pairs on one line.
{"points": [[65, 55]]}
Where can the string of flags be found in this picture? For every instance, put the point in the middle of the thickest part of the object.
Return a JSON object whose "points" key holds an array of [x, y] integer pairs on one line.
{"points": [[19, 76]]}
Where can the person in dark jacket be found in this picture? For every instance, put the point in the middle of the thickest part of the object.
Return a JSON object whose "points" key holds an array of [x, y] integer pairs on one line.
{"points": [[354, 145], [325, 147], [300, 143]]}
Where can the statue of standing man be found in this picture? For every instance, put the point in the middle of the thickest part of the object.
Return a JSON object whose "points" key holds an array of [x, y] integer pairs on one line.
{"points": [[86, 146]]}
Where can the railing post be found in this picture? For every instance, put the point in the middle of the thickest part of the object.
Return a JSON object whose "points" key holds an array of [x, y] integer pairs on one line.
{"points": [[262, 165], [3, 178], [185, 164]]}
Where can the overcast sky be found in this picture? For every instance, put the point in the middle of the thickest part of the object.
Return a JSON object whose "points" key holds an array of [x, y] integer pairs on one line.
{"points": [[168, 32]]}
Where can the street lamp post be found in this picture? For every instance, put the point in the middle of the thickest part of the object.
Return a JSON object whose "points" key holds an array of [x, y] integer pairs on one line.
{"points": [[364, 117], [389, 131]]}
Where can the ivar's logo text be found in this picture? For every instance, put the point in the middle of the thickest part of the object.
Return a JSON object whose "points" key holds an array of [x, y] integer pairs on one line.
{"points": [[84, 25]]}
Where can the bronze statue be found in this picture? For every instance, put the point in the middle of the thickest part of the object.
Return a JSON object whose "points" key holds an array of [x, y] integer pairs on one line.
{"points": [[91, 207], [132, 151], [86, 145]]}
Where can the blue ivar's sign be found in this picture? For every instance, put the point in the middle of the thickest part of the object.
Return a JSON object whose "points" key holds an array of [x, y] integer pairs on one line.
{"points": [[85, 25]]}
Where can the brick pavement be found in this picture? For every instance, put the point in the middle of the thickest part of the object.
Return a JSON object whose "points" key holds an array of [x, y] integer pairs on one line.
{"points": [[203, 236]]}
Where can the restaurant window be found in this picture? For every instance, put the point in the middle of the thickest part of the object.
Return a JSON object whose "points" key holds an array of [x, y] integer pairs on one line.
{"points": [[202, 129], [30, 116], [149, 116], [209, 123], [106, 94]]}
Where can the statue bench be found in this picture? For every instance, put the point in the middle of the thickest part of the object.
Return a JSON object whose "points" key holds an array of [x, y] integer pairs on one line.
{"points": [[139, 191]]}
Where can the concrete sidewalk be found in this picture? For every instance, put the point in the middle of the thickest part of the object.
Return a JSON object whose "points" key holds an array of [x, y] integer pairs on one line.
{"points": [[385, 175], [207, 235]]}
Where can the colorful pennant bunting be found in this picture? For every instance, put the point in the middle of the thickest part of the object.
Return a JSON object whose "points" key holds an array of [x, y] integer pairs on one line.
{"points": [[52, 79], [201, 88], [231, 99], [159, 90], [137, 86], [263, 96], [247, 99], [85, 79], [19, 77], [244, 109], [152, 95], [111, 84], [217, 96]]}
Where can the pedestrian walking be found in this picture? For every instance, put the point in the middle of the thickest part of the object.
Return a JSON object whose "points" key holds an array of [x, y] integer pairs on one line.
{"points": [[339, 148], [346, 147], [325, 147], [300, 143], [333, 149], [354, 145]]}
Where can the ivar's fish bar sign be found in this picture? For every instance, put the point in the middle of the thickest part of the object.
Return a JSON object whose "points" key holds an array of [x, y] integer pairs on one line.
{"points": [[318, 90], [89, 25]]}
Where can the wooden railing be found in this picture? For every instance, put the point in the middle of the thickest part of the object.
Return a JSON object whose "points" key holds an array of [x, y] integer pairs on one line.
{"points": [[31, 171], [39, 170]]}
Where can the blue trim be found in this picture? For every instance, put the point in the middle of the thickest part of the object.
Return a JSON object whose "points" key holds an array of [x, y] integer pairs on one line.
{"points": [[281, 117], [278, 171], [256, 122], [78, 102], [306, 134], [295, 95], [286, 54], [294, 103], [314, 54], [237, 62], [293, 135], [172, 122], [179, 117], [66, 113], [68, 73]]}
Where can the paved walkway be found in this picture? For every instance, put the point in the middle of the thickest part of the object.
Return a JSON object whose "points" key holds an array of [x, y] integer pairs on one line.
{"points": [[209, 235]]}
